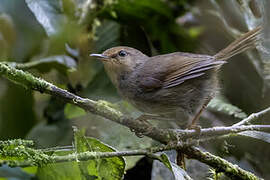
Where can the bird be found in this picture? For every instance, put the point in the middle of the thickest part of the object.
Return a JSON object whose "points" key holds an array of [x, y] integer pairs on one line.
{"points": [[174, 85]]}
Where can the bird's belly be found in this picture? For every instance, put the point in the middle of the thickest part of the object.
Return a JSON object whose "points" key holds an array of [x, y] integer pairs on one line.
{"points": [[187, 97], [168, 103]]}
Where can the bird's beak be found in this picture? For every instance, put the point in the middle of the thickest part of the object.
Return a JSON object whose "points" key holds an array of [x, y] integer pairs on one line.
{"points": [[101, 56]]}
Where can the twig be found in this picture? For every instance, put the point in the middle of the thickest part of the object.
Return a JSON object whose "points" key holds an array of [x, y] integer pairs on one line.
{"points": [[42, 158], [84, 156], [219, 131], [218, 163], [253, 117]]}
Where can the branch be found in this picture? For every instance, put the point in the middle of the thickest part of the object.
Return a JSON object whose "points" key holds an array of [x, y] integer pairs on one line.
{"points": [[42, 159], [16, 142], [253, 117], [221, 165], [101, 108], [105, 109], [219, 131]]}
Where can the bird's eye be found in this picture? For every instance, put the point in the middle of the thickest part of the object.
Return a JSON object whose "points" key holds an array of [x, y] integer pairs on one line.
{"points": [[122, 53]]}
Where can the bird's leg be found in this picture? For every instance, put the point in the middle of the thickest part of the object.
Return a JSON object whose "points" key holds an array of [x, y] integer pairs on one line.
{"points": [[144, 119], [180, 156], [197, 116], [180, 159]]}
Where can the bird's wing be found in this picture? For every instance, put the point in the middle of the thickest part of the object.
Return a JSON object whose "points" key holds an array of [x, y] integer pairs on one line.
{"points": [[171, 70]]}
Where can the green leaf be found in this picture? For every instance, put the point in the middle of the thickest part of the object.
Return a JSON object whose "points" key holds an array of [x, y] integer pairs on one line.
{"points": [[165, 160], [146, 8], [107, 168], [7, 28], [62, 63], [219, 103], [72, 111], [48, 13], [108, 36], [179, 173], [7, 35], [117, 135], [60, 171], [100, 169], [17, 112], [168, 37], [30, 170]]}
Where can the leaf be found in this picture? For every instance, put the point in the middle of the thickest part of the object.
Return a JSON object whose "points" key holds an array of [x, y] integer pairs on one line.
{"points": [[165, 160], [7, 35], [49, 135], [30, 170], [219, 103], [48, 13], [117, 136], [59, 171], [107, 168], [14, 173], [263, 136], [7, 28], [56, 131], [62, 63], [179, 173], [108, 36], [168, 37], [17, 109], [146, 8], [72, 111]]}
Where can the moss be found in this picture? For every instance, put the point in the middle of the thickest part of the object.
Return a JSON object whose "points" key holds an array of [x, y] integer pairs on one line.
{"points": [[15, 155], [16, 142], [23, 78], [229, 169], [107, 109]]}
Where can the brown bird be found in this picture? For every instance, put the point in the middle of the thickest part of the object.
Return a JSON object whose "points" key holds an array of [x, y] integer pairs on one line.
{"points": [[170, 85]]}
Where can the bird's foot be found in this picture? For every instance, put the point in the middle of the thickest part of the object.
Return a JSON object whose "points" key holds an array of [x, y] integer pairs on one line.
{"points": [[147, 127], [198, 130]]}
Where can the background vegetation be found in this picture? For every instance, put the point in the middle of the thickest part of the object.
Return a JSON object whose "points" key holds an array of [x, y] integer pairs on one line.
{"points": [[52, 39]]}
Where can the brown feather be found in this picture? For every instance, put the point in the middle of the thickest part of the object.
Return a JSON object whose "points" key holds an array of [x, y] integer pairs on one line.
{"points": [[178, 68]]}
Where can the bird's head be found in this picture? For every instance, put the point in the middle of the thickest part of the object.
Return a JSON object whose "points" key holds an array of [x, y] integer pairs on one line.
{"points": [[119, 60]]}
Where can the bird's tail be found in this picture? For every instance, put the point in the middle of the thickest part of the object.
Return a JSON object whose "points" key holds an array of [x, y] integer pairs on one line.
{"points": [[246, 41]]}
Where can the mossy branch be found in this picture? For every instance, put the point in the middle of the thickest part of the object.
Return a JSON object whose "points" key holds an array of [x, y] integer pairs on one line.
{"points": [[35, 157], [104, 109]]}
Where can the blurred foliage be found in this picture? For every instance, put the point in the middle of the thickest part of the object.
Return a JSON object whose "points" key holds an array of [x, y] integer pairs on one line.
{"points": [[222, 105], [53, 38], [177, 171]]}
